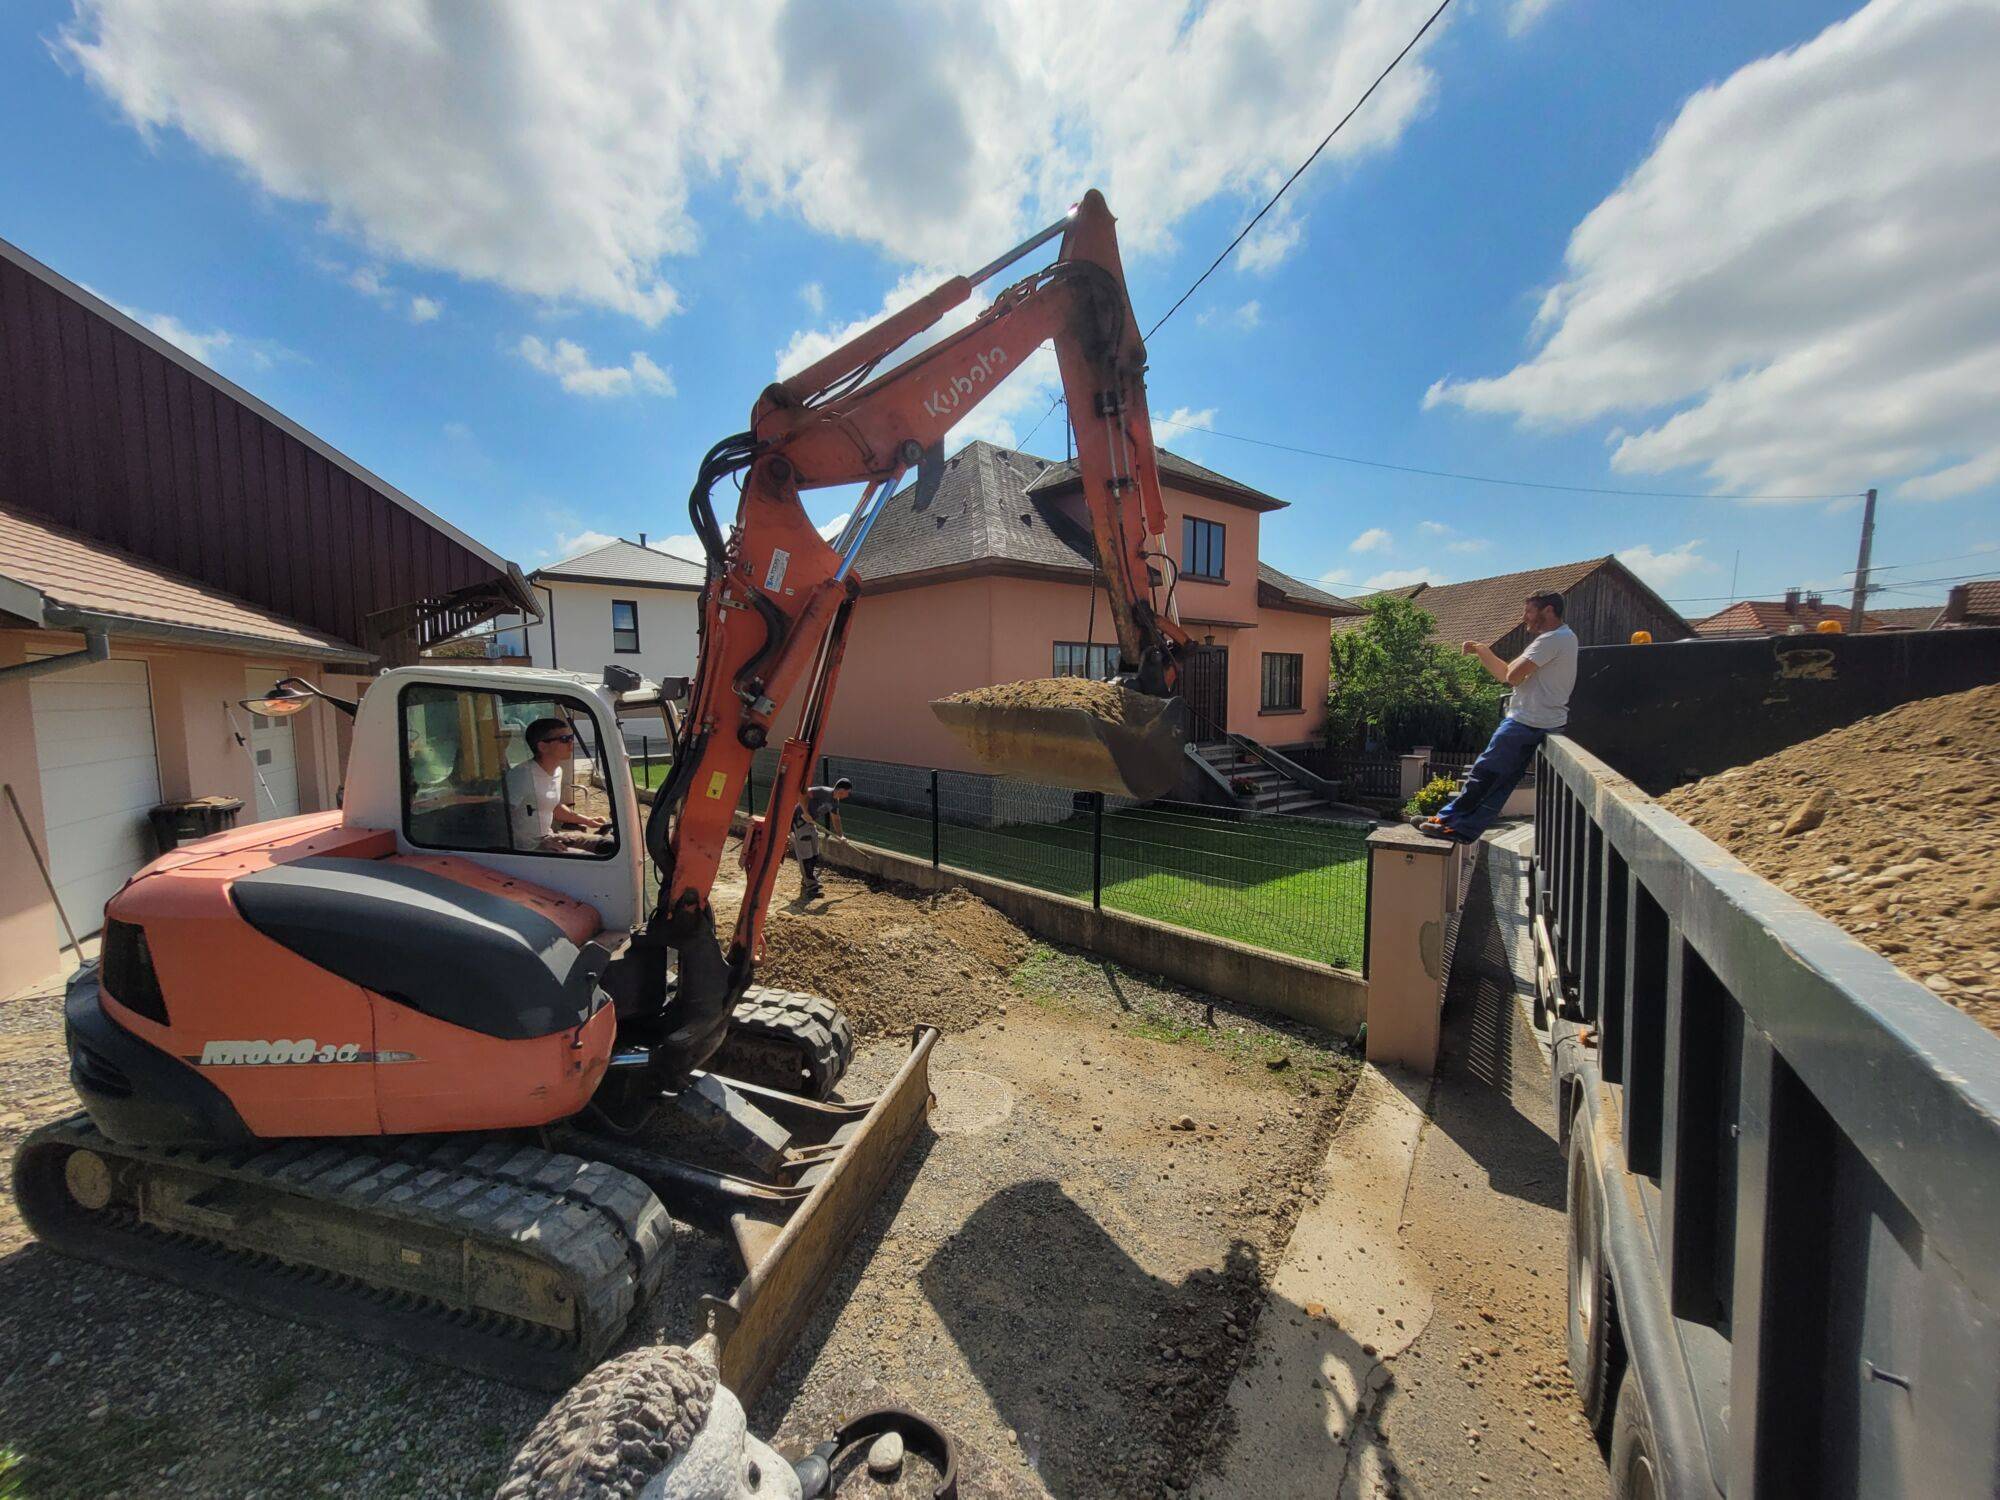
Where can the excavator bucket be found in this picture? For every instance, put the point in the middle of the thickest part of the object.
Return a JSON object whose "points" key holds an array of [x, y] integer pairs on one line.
{"points": [[1133, 745]]}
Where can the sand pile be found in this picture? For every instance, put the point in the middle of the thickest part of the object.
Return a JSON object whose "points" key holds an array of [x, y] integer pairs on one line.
{"points": [[893, 958], [1890, 828], [1106, 700]]}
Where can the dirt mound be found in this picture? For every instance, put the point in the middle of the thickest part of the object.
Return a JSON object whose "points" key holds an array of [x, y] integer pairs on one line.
{"points": [[1104, 699], [1890, 828], [893, 958]]}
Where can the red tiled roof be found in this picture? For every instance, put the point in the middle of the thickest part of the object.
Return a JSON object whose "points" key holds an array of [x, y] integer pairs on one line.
{"points": [[1774, 617], [1982, 601], [1911, 617], [56, 577]]}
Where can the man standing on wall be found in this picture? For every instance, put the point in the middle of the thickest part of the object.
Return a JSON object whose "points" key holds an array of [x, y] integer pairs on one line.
{"points": [[1542, 678]]}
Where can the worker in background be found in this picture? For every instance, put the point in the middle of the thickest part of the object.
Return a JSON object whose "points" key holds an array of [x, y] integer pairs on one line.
{"points": [[535, 807], [1542, 677], [805, 849], [823, 805]]}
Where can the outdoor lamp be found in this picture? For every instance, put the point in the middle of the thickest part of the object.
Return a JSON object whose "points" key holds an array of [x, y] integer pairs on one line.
{"points": [[290, 695]]}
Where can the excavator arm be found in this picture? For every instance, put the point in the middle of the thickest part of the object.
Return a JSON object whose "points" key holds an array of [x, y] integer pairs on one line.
{"points": [[776, 606]]}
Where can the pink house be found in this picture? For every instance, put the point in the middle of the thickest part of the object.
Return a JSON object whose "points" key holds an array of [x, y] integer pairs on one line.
{"points": [[990, 581]]}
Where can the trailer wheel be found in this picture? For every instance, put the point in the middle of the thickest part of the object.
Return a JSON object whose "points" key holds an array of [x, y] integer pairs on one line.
{"points": [[1593, 1345], [1635, 1453]]}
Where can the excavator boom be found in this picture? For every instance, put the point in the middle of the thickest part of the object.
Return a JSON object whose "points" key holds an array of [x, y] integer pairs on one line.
{"points": [[778, 599]]}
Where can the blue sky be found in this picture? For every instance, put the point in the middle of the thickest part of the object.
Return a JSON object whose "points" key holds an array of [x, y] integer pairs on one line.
{"points": [[529, 262]]}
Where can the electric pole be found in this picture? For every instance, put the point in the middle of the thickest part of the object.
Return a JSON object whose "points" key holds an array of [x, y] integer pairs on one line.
{"points": [[1854, 614]]}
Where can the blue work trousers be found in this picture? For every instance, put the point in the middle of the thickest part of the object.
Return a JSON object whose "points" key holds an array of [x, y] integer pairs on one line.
{"points": [[1496, 773]]}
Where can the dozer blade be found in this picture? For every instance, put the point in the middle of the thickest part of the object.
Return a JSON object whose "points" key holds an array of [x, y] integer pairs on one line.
{"points": [[1141, 757]]}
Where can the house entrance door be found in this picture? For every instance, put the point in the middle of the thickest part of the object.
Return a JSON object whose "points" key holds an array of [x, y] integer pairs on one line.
{"points": [[1205, 685]]}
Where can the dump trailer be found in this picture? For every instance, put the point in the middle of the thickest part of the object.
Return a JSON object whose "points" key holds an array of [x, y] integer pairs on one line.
{"points": [[1783, 1152]]}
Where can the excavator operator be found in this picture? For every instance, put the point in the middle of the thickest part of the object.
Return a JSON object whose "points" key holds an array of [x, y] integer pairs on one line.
{"points": [[535, 806]]}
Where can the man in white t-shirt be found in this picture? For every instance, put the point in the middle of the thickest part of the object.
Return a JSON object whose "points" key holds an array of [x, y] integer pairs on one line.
{"points": [[1542, 677], [535, 807]]}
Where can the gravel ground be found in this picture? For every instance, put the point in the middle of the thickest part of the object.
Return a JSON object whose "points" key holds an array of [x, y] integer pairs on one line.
{"points": [[1062, 1273]]}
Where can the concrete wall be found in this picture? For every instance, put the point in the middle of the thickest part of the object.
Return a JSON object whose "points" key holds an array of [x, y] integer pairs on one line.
{"points": [[193, 693], [1333, 1000], [1415, 888], [575, 632]]}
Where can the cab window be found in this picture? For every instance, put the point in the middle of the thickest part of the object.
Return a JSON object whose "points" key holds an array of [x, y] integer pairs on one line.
{"points": [[472, 781]]}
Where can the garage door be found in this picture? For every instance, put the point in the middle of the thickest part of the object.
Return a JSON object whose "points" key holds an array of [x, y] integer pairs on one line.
{"points": [[277, 781], [94, 738]]}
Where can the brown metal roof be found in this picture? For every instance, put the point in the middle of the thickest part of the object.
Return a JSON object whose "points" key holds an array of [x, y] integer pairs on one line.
{"points": [[56, 578], [112, 432]]}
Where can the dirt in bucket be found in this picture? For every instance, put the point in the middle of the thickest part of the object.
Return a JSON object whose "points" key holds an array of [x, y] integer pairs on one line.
{"points": [[1104, 700]]}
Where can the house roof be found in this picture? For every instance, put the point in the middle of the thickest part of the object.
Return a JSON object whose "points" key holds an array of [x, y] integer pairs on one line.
{"points": [[1982, 601], [62, 580], [1485, 609], [1180, 472], [1776, 617], [1277, 590], [621, 561], [1907, 617], [986, 510]]}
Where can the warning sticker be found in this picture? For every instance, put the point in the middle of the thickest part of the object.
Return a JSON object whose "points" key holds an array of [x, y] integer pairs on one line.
{"points": [[774, 576], [717, 780]]}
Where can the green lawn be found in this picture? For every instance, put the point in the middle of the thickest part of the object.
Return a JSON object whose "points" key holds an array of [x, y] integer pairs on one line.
{"points": [[1293, 886]]}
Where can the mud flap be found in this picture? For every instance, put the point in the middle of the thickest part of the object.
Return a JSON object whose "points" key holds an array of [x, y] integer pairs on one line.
{"points": [[757, 1326], [1073, 748]]}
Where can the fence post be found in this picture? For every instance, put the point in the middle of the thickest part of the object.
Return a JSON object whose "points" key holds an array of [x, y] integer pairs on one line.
{"points": [[1097, 851], [934, 819], [646, 758]]}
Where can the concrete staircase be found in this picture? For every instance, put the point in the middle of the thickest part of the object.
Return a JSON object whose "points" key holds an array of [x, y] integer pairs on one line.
{"points": [[1272, 791]]}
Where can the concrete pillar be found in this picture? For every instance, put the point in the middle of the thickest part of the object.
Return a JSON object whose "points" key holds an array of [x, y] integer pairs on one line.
{"points": [[1414, 765], [1414, 888]]}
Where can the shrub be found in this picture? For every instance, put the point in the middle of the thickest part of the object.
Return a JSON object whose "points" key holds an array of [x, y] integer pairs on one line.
{"points": [[1432, 795]]}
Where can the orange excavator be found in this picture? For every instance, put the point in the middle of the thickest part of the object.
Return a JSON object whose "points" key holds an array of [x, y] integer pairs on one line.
{"points": [[424, 1071]]}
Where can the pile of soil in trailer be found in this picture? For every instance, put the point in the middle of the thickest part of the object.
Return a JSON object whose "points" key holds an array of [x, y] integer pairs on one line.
{"points": [[1889, 827], [1103, 700], [1064, 1271]]}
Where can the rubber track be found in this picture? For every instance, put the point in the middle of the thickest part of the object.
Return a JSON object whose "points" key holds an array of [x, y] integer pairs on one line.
{"points": [[601, 1228], [812, 1025]]}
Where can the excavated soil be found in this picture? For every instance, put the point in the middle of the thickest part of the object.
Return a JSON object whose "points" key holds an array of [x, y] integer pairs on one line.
{"points": [[1063, 1272], [1890, 828], [1105, 700]]}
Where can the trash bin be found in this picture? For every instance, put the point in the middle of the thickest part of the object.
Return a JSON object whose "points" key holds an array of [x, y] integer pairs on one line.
{"points": [[177, 823]]}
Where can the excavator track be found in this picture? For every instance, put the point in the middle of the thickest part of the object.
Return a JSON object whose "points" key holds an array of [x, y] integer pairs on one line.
{"points": [[787, 1040], [488, 1255]]}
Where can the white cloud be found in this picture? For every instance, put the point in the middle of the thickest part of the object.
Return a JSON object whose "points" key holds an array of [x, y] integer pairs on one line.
{"points": [[1792, 292], [1452, 539], [1186, 418], [425, 309], [552, 149], [575, 543], [1334, 578], [1374, 539], [1244, 317], [1397, 578], [1271, 243], [369, 281], [1523, 14], [1667, 569], [831, 529], [206, 347], [814, 297], [682, 544], [458, 432], [570, 362]]}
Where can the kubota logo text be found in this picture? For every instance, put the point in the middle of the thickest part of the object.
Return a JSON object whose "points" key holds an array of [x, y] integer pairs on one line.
{"points": [[284, 1051], [954, 395]]}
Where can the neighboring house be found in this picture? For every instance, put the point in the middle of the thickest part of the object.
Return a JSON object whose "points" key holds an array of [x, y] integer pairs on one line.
{"points": [[990, 581], [1605, 603], [1974, 603], [169, 545], [1801, 612], [623, 603]]}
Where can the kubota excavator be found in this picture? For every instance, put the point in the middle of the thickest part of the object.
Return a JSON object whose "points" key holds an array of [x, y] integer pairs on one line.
{"points": [[407, 1071]]}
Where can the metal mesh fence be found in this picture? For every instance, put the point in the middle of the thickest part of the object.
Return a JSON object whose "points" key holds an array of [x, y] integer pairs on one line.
{"points": [[1293, 884]]}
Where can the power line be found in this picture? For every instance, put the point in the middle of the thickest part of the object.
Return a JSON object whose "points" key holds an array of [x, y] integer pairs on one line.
{"points": [[1903, 586], [1525, 484], [1407, 46]]}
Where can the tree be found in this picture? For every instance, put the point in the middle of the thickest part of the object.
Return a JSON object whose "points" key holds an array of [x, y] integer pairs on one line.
{"points": [[1392, 686]]}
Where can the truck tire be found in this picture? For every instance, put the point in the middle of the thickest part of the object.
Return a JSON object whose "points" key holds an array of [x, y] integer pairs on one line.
{"points": [[1635, 1452], [787, 1040], [1594, 1347]]}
